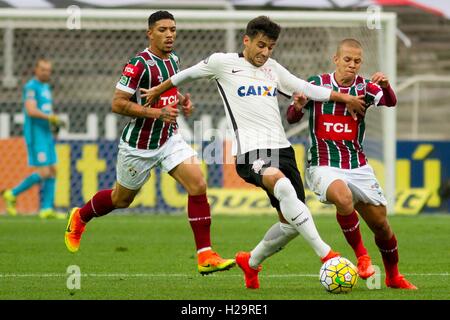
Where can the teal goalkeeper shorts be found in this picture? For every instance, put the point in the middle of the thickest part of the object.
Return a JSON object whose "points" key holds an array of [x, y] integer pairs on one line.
{"points": [[41, 154]]}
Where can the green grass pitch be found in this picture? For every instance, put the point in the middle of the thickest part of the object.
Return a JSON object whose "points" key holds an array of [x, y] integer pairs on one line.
{"points": [[153, 257]]}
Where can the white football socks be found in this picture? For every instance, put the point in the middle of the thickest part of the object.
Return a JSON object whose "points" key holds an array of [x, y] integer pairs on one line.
{"points": [[298, 215], [274, 240]]}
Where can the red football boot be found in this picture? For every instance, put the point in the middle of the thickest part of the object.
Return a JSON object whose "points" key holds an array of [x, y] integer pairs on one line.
{"points": [[399, 282], [365, 268], [251, 275]]}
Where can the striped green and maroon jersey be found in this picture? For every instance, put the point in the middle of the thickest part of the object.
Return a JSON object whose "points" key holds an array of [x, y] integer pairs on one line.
{"points": [[335, 138], [147, 70]]}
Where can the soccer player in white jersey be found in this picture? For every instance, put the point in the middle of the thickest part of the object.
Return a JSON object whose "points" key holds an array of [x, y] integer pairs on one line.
{"points": [[338, 171], [249, 83], [150, 139]]}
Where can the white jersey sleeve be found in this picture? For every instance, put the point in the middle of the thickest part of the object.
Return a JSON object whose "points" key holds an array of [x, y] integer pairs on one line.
{"points": [[250, 98], [208, 68], [288, 84]]}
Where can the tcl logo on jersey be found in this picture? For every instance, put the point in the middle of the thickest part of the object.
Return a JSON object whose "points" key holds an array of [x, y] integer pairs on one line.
{"points": [[130, 70], [168, 97], [331, 127], [168, 100], [265, 91]]}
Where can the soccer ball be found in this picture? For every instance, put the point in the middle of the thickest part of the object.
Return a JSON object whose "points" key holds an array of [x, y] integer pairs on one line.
{"points": [[338, 275]]}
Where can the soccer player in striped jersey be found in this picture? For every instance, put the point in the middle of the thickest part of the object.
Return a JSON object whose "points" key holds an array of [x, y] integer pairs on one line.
{"points": [[150, 139], [338, 171], [39, 138], [249, 83]]}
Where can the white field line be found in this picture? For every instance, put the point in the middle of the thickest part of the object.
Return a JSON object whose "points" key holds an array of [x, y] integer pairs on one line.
{"points": [[179, 275]]}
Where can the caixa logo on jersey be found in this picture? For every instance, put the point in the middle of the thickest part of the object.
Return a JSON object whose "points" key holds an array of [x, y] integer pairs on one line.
{"points": [[265, 91]]}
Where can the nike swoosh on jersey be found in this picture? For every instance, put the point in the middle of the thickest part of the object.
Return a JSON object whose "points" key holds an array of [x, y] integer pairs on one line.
{"points": [[235, 71]]}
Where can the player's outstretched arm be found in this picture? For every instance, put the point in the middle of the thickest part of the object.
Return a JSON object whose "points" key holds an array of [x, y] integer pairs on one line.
{"points": [[206, 68], [355, 104], [291, 83], [153, 93], [121, 104]]}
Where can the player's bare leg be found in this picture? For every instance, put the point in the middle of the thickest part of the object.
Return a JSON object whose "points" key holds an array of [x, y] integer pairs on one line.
{"points": [[341, 196], [190, 176], [376, 219], [122, 197]]}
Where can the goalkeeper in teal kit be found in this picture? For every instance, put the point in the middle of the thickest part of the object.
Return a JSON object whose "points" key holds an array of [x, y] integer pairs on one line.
{"points": [[40, 124]]}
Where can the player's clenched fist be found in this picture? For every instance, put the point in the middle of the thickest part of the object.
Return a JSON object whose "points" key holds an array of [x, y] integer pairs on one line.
{"points": [[381, 79], [186, 105], [169, 113], [300, 100]]}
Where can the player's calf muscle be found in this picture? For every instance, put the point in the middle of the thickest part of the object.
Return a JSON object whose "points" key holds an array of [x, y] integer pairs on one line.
{"points": [[120, 200]]}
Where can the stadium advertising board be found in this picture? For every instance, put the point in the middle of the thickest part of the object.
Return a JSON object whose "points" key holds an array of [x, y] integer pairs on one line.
{"points": [[84, 167]]}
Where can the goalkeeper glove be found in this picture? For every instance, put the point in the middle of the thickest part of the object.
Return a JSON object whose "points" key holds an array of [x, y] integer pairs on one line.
{"points": [[54, 120], [55, 123]]}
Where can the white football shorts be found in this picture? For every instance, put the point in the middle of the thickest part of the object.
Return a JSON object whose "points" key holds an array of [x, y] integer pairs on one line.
{"points": [[361, 181], [134, 165]]}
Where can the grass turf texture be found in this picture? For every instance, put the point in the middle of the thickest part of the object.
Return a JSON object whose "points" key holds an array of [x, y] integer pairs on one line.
{"points": [[153, 257]]}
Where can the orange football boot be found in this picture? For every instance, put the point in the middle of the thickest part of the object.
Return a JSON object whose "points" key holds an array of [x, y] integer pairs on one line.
{"points": [[365, 268], [74, 230], [250, 274], [399, 282], [209, 262]]}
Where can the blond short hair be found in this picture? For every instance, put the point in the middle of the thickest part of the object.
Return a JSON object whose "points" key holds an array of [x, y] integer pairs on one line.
{"points": [[350, 42]]}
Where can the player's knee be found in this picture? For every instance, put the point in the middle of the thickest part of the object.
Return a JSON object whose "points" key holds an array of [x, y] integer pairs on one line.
{"points": [[340, 195], [381, 227], [345, 201], [197, 187], [283, 188], [53, 171], [44, 172], [271, 177]]}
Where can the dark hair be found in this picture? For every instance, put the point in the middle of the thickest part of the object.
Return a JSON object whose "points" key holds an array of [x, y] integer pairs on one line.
{"points": [[159, 15], [264, 25]]}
